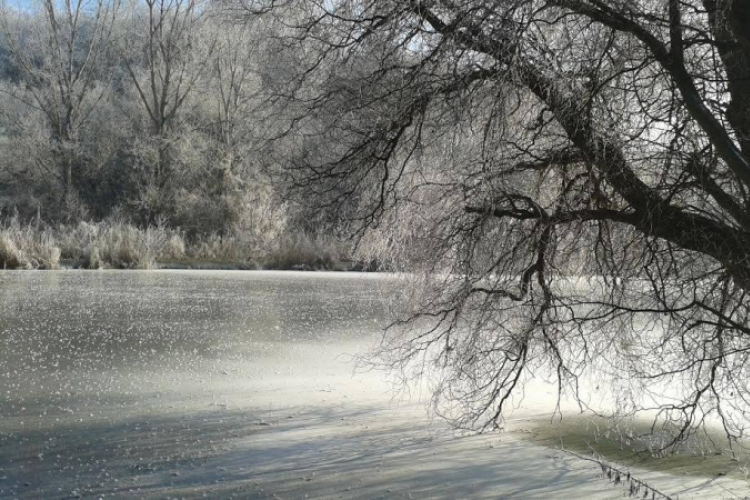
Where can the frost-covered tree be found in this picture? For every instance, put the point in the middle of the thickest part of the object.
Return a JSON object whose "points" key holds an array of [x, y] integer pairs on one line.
{"points": [[506, 148], [59, 58], [166, 53], [233, 117]]}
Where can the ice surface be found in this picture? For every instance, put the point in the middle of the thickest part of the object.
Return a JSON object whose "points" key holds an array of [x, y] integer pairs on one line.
{"points": [[239, 384]]}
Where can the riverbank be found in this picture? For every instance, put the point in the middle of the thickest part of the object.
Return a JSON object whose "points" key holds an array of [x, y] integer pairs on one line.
{"points": [[118, 244], [208, 265]]}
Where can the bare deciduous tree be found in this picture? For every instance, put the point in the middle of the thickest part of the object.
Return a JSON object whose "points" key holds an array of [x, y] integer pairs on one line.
{"points": [[166, 55], [62, 52], [506, 148]]}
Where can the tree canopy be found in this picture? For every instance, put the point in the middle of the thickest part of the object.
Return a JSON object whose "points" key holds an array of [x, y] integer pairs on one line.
{"points": [[572, 177]]}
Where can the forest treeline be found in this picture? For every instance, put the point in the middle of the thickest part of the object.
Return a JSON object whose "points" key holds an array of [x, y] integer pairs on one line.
{"points": [[121, 120]]}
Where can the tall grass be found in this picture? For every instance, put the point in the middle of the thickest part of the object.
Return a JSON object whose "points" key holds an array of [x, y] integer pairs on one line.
{"points": [[27, 247], [116, 243]]}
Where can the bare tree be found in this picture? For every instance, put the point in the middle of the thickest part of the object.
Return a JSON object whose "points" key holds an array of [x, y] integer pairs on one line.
{"points": [[250, 206], [62, 52], [166, 54], [506, 147], [237, 86]]}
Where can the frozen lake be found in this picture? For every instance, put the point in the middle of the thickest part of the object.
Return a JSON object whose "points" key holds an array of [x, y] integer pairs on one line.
{"points": [[186, 384]]}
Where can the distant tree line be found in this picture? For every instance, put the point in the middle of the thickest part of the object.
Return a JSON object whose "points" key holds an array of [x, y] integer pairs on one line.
{"points": [[153, 110]]}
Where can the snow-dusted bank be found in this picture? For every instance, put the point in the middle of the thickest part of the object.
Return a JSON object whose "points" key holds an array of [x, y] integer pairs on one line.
{"points": [[229, 384]]}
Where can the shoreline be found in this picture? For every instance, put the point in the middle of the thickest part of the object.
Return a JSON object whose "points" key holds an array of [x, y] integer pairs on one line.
{"points": [[208, 265]]}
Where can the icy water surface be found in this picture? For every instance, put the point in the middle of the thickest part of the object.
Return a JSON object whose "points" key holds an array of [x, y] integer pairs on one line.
{"points": [[84, 353], [57, 327], [183, 384]]}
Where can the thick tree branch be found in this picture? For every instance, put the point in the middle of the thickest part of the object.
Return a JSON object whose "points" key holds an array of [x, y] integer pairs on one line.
{"points": [[671, 61], [655, 216]]}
